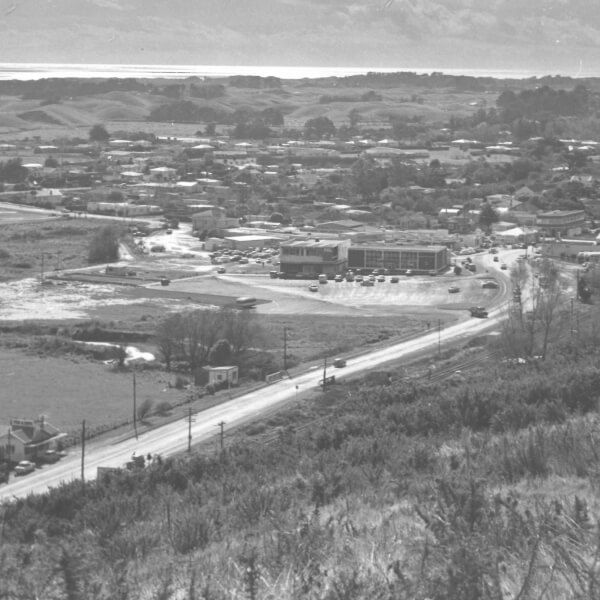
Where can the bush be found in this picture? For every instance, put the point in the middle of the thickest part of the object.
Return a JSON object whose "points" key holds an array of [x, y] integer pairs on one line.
{"points": [[163, 408]]}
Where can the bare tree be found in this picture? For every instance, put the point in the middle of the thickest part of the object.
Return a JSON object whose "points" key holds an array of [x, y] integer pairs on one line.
{"points": [[168, 337]]}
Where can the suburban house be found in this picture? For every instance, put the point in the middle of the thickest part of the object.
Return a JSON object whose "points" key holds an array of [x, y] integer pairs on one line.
{"points": [[26, 439]]}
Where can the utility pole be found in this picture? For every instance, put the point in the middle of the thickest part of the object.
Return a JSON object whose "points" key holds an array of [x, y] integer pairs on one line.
{"points": [[134, 408], [8, 449], [222, 434], [189, 429], [42, 270], [82, 451], [285, 348], [325, 374], [439, 336]]}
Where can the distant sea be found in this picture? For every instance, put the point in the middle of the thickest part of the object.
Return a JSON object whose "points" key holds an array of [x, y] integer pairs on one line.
{"points": [[32, 71]]}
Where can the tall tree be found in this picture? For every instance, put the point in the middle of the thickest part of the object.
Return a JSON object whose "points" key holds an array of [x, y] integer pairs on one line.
{"points": [[98, 133]]}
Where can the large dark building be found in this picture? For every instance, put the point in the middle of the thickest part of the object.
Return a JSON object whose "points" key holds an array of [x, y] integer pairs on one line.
{"points": [[399, 258]]}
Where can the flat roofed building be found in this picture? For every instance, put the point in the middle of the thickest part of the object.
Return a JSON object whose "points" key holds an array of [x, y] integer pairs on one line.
{"points": [[561, 222], [314, 256], [399, 258]]}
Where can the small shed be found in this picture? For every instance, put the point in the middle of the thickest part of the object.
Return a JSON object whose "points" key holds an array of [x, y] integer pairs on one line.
{"points": [[222, 376]]}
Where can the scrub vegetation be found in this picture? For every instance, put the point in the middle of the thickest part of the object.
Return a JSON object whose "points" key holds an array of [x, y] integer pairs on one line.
{"points": [[479, 486]]}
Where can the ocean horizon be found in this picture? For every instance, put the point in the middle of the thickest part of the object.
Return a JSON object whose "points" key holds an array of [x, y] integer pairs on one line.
{"points": [[34, 71]]}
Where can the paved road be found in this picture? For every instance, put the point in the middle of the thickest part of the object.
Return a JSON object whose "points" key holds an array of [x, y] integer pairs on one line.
{"points": [[173, 438]]}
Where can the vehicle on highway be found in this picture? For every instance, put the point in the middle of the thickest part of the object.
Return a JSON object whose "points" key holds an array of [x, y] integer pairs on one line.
{"points": [[245, 302], [453, 289], [504, 266], [338, 363], [490, 284], [24, 467], [313, 287], [478, 311]]}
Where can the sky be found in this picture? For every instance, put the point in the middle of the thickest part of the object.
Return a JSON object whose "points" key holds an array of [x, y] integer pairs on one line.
{"points": [[548, 36]]}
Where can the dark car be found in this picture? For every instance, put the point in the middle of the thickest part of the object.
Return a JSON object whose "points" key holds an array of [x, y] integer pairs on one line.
{"points": [[490, 284], [478, 311]]}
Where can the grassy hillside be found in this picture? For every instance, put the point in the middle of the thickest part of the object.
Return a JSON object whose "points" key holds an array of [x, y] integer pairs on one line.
{"points": [[476, 487]]}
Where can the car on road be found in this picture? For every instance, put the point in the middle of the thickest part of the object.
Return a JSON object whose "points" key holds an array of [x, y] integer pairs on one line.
{"points": [[313, 287], [24, 467], [453, 289], [490, 284], [394, 279], [221, 270], [496, 259], [479, 312], [504, 266], [338, 363]]}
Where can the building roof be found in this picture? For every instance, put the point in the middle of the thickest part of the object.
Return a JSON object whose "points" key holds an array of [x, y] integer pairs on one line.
{"points": [[314, 243]]}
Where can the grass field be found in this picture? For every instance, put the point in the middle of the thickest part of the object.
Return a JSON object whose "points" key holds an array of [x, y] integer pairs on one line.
{"points": [[70, 389]]}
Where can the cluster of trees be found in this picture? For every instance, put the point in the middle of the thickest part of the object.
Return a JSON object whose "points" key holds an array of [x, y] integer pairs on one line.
{"points": [[104, 245], [254, 82], [543, 101], [203, 337]]}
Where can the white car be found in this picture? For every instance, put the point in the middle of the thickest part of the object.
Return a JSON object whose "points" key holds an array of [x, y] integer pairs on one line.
{"points": [[24, 467]]}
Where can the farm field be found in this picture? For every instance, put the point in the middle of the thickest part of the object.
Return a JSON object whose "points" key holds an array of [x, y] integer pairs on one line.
{"points": [[70, 389]]}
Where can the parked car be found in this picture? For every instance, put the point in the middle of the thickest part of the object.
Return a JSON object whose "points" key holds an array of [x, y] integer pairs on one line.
{"points": [[490, 284], [221, 270], [367, 282], [381, 278], [313, 287], [24, 467], [408, 272], [358, 278], [503, 266], [453, 289], [338, 278], [496, 259], [50, 456], [394, 279], [338, 363]]}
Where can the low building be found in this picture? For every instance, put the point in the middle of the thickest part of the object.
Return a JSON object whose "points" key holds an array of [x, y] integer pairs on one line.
{"points": [[244, 242], [561, 223], [517, 235], [26, 439], [222, 376], [314, 256], [399, 258]]}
